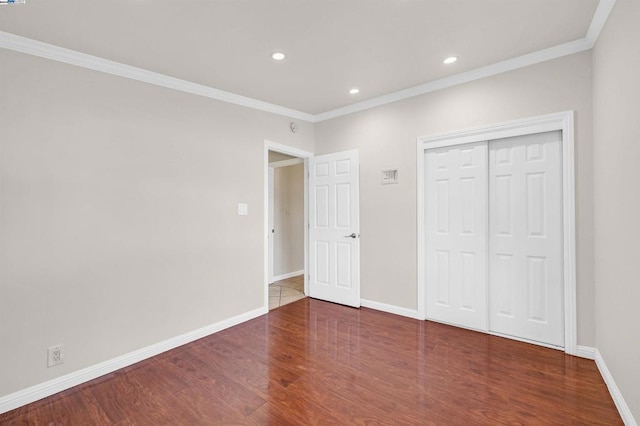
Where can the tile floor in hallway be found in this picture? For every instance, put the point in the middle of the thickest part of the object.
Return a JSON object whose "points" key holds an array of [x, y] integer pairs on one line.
{"points": [[286, 291]]}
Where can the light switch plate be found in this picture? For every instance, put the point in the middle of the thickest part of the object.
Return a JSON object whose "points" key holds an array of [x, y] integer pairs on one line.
{"points": [[243, 209]]}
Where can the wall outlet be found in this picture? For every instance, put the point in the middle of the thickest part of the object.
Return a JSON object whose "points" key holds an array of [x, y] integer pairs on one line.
{"points": [[55, 355]]}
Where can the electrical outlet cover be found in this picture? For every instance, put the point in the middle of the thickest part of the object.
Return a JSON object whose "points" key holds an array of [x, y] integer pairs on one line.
{"points": [[55, 355], [389, 176]]}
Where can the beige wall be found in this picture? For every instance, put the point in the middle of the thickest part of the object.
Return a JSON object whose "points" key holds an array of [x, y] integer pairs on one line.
{"points": [[289, 219], [616, 93], [118, 224], [386, 138]]}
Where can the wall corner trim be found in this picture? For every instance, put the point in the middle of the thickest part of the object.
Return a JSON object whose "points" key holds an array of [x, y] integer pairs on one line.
{"points": [[392, 309], [618, 399], [48, 388]]}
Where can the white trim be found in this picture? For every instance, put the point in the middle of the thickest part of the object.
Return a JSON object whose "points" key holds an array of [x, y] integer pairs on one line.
{"points": [[392, 309], [559, 121], [420, 231], [286, 149], [542, 123], [68, 56], [618, 399], [271, 223], [585, 352], [295, 152], [569, 234], [599, 20], [565, 49], [288, 275], [60, 54], [48, 388], [286, 163]]}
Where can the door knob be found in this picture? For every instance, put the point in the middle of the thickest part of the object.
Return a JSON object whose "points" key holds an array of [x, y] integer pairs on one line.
{"points": [[352, 235]]}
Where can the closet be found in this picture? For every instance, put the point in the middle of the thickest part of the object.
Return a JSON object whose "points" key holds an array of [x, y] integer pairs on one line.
{"points": [[494, 234]]}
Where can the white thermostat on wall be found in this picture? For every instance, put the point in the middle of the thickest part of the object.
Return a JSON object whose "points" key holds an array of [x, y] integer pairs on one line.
{"points": [[389, 176]]}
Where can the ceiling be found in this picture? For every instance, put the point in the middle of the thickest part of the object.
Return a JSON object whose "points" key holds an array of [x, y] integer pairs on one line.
{"points": [[379, 46]]}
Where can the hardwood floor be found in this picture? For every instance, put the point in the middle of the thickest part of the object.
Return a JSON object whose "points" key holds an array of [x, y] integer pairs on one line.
{"points": [[312, 362]]}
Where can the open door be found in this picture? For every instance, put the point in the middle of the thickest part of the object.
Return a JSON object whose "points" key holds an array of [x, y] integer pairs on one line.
{"points": [[334, 228]]}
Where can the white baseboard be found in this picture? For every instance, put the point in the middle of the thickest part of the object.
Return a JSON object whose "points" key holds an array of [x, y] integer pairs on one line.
{"points": [[618, 399], [585, 352], [392, 309], [287, 275], [42, 390]]}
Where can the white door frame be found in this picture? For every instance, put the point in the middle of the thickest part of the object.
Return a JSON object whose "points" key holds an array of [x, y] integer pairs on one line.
{"points": [[560, 121], [295, 152], [270, 222]]}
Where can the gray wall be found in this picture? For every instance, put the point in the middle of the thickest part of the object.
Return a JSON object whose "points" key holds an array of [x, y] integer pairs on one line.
{"points": [[289, 219], [386, 138], [616, 96], [118, 224]]}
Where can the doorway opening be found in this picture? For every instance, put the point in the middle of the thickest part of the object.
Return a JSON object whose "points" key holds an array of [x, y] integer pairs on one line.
{"points": [[285, 217]]}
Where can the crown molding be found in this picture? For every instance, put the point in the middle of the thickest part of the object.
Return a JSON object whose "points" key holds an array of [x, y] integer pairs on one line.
{"points": [[68, 56], [599, 20], [60, 54]]}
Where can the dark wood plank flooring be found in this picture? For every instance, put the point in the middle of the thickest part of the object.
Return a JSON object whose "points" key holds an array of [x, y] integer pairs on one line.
{"points": [[312, 362]]}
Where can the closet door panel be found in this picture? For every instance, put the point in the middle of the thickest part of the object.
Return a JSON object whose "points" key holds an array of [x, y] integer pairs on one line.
{"points": [[456, 235], [525, 237]]}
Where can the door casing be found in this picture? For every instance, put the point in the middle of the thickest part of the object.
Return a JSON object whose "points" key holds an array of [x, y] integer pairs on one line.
{"points": [[563, 121], [270, 224]]}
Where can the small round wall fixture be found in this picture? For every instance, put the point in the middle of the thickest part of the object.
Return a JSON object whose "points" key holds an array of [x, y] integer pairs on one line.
{"points": [[450, 60], [278, 56], [293, 126], [354, 91]]}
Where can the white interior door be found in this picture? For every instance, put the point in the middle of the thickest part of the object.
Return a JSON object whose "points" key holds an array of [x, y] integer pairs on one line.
{"points": [[525, 237], [271, 221], [456, 234], [334, 228]]}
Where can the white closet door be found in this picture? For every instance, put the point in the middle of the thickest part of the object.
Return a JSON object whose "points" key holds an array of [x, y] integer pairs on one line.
{"points": [[456, 235], [525, 237]]}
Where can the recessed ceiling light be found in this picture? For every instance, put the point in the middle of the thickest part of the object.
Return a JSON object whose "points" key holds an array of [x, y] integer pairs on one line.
{"points": [[354, 91], [450, 60], [278, 56]]}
